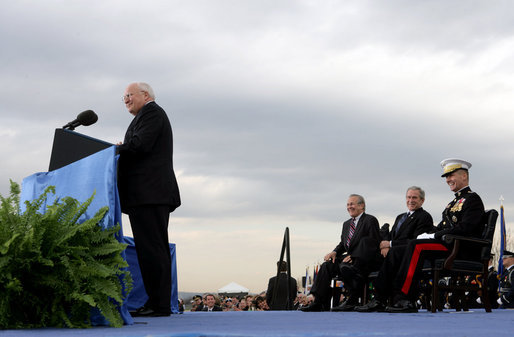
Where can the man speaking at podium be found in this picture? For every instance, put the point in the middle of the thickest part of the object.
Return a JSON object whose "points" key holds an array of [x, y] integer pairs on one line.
{"points": [[149, 193]]}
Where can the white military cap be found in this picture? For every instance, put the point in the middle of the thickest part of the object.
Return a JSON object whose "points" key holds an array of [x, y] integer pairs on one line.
{"points": [[453, 164]]}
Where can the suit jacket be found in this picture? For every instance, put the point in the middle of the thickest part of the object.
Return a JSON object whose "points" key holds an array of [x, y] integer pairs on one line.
{"points": [[215, 308], [145, 175], [280, 302], [417, 223], [365, 241]]}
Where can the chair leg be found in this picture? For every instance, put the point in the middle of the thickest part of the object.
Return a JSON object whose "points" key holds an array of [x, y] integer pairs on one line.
{"points": [[485, 291], [435, 291], [427, 300], [465, 301], [336, 294], [458, 294], [458, 300], [365, 293]]}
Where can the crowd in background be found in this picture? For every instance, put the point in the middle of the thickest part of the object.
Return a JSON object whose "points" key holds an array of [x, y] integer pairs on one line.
{"points": [[258, 302], [241, 303]]}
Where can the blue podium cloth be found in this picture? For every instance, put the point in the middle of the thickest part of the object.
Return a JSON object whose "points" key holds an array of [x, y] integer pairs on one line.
{"points": [[79, 180], [138, 296]]}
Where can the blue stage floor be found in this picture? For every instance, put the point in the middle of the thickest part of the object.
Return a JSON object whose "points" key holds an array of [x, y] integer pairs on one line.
{"points": [[295, 323]]}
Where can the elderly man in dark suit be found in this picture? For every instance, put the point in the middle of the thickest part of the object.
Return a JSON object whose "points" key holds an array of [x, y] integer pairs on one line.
{"points": [[354, 257], [407, 227], [277, 296], [149, 192]]}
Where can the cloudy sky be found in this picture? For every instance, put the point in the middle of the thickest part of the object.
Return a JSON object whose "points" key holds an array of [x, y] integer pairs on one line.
{"points": [[280, 110]]}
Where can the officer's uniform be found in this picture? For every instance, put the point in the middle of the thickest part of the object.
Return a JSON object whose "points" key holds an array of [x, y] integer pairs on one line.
{"points": [[506, 291]]}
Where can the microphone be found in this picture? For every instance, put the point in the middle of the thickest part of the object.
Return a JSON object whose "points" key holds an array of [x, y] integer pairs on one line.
{"points": [[85, 118]]}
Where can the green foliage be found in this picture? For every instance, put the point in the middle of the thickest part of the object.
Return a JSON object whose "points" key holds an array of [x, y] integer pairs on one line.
{"points": [[54, 270]]}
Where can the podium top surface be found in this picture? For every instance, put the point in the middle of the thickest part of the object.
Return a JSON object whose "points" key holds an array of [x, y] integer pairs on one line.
{"points": [[70, 146]]}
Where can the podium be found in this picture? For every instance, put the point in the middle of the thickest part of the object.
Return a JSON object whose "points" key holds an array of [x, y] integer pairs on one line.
{"points": [[70, 146], [80, 166], [137, 297]]}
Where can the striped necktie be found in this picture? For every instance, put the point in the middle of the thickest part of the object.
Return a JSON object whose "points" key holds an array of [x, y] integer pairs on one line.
{"points": [[350, 232]]}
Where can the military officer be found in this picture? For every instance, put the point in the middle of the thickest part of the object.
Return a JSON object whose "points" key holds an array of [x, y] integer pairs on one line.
{"points": [[506, 299]]}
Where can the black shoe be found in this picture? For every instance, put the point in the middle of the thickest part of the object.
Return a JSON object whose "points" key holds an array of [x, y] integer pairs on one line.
{"points": [[314, 306], [372, 306], [402, 306], [149, 312], [345, 306], [132, 312]]}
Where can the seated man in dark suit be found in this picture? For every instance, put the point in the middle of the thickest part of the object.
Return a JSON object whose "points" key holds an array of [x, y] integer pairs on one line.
{"points": [[277, 296], [407, 226], [210, 304], [354, 257], [462, 216]]}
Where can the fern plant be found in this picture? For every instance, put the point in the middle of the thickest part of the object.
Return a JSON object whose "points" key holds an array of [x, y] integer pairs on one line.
{"points": [[54, 270]]}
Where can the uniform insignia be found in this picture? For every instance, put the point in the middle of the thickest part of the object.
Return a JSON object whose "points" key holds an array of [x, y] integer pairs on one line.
{"points": [[457, 207], [454, 218]]}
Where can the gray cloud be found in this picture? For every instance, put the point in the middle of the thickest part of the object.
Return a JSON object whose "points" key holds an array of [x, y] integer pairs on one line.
{"points": [[280, 109]]}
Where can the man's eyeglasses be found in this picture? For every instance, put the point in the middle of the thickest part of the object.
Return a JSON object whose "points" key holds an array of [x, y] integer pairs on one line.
{"points": [[126, 97]]}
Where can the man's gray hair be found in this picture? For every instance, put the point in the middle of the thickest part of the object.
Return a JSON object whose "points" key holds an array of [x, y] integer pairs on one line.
{"points": [[360, 199], [419, 189], [147, 88]]}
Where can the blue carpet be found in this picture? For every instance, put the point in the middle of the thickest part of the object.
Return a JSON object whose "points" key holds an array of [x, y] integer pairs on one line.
{"points": [[294, 323]]}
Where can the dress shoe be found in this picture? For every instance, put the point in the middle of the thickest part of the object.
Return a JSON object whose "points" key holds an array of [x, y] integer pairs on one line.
{"points": [[314, 306], [372, 306], [402, 306], [133, 312], [345, 306], [149, 312]]}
